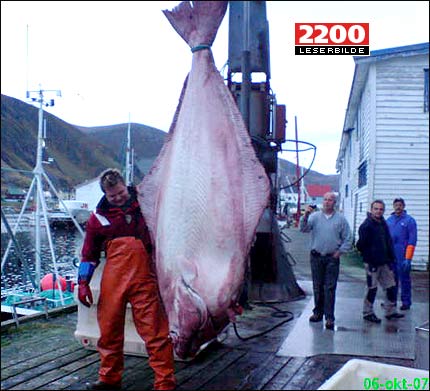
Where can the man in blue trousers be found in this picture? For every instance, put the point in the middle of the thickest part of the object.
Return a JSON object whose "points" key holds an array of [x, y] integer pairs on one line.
{"points": [[403, 231]]}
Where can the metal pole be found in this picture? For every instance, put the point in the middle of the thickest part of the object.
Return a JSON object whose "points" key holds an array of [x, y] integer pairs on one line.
{"points": [[246, 68], [128, 156], [51, 244], [39, 173], [39, 190], [297, 174], [38, 256], [15, 228], [132, 165]]}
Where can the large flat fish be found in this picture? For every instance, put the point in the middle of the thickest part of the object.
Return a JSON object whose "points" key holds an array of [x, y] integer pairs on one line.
{"points": [[204, 195]]}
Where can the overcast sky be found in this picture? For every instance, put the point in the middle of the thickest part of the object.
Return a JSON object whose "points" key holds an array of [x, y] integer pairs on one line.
{"points": [[116, 59]]}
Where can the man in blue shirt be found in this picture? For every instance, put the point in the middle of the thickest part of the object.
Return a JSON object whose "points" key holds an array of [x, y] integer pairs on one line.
{"points": [[403, 231]]}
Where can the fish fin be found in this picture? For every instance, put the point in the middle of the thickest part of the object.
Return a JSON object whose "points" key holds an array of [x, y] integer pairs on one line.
{"points": [[198, 23]]}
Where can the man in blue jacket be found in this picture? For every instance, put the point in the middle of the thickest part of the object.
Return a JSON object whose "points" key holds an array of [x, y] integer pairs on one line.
{"points": [[403, 231]]}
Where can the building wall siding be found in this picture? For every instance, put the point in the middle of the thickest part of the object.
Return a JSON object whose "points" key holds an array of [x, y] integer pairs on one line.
{"points": [[394, 134], [363, 194], [362, 209], [402, 142]]}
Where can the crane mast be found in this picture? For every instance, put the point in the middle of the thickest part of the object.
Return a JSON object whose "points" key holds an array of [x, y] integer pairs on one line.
{"points": [[248, 59]]}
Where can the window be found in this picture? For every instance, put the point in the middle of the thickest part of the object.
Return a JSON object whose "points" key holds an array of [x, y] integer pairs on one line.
{"points": [[426, 90], [346, 191], [362, 174]]}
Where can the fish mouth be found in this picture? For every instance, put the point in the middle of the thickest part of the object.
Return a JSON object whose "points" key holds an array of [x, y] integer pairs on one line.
{"points": [[188, 318], [192, 324], [188, 347], [180, 345], [183, 347]]}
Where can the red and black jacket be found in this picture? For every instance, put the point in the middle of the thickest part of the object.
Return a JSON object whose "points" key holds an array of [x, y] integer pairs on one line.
{"points": [[109, 222]]}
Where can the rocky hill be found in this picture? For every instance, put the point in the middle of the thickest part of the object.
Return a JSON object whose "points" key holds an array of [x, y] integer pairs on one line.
{"points": [[78, 153], [81, 153]]}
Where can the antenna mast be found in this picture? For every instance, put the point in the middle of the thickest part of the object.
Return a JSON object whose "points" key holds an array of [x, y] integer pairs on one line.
{"points": [[26, 70], [41, 207]]}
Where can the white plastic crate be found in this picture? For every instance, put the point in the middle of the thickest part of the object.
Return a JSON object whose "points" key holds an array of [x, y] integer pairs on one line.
{"points": [[359, 374], [88, 332]]}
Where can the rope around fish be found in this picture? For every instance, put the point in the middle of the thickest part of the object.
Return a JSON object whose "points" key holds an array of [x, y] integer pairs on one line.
{"points": [[200, 47]]}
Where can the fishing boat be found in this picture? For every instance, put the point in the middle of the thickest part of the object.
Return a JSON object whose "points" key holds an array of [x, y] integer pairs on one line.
{"points": [[26, 300], [62, 217]]}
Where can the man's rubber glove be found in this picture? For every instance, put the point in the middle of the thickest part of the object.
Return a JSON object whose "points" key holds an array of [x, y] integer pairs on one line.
{"points": [[406, 266], [84, 294], [410, 249], [85, 272]]}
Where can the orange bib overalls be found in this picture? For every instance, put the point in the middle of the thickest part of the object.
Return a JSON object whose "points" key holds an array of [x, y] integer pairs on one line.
{"points": [[128, 276]]}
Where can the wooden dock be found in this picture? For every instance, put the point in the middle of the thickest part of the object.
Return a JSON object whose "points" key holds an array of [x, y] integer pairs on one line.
{"points": [[44, 354]]}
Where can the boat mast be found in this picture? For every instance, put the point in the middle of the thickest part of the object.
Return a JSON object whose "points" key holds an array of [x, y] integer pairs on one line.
{"points": [[38, 96], [41, 209], [297, 175], [129, 157]]}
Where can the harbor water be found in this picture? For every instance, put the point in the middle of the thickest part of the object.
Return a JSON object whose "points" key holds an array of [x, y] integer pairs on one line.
{"points": [[67, 243]]}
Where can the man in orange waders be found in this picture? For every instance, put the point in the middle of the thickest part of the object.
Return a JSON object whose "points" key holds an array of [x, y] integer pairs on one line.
{"points": [[118, 228]]}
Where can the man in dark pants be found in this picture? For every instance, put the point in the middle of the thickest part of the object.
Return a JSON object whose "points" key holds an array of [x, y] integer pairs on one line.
{"points": [[375, 244], [331, 237], [118, 228]]}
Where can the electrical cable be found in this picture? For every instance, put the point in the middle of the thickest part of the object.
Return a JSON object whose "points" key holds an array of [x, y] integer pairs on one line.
{"points": [[223, 69], [278, 313], [300, 150]]}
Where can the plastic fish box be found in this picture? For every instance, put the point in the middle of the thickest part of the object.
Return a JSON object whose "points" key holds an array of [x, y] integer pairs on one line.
{"points": [[88, 332], [359, 374], [87, 329]]}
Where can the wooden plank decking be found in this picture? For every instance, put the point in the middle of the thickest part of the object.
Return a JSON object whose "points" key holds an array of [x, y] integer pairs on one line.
{"points": [[43, 353]]}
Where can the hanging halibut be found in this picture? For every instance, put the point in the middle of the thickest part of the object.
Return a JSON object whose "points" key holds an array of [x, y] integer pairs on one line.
{"points": [[205, 193]]}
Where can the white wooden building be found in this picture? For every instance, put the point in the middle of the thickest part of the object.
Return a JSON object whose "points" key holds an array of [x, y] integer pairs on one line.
{"points": [[384, 149]]}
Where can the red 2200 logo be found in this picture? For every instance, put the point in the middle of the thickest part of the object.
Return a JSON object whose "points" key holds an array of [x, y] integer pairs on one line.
{"points": [[311, 34]]}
